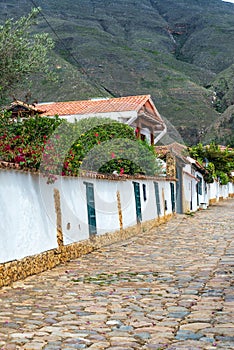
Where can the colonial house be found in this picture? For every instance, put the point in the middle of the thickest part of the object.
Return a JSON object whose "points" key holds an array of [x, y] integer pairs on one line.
{"points": [[137, 111], [191, 188], [73, 215]]}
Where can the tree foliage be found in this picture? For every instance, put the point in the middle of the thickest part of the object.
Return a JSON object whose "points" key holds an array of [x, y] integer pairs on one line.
{"points": [[22, 53], [57, 147], [100, 145], [219, 163]]}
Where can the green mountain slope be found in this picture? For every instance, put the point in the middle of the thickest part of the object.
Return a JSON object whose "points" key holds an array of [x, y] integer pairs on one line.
{"points": [[176, 51]]}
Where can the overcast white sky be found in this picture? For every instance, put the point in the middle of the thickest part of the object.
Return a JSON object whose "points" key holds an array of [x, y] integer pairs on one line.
{"points": [[229, 1]]}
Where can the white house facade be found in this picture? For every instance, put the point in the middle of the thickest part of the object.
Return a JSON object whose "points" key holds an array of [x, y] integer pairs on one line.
{"points": [[139, 112]]}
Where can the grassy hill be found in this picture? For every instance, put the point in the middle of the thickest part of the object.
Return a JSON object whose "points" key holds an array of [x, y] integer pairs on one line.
{"points": [[181, 53]]}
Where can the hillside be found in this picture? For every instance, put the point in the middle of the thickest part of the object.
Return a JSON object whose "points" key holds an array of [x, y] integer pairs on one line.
{"points": [[179, 52]]}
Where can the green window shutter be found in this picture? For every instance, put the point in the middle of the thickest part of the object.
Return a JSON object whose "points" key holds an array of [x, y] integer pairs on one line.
{"points": [[199, 185], [172, 196], [137, 200], [157, 198], [91, 208], [144, 192]]}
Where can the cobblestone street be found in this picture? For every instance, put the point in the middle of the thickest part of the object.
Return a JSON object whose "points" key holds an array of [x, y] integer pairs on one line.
{"points": [[169, 288]]}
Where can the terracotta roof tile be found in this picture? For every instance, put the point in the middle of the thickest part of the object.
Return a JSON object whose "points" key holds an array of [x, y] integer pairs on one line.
{"points": [[177, 149], [31, 107], [129, 103], [174, 147], [86, 174]]}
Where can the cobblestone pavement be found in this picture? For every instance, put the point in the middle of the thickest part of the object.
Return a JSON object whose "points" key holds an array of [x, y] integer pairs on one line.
{"points": [[169, 288]]}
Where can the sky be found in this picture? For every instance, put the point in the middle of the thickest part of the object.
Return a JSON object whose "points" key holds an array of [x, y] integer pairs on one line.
{"points": [[229, 1]]}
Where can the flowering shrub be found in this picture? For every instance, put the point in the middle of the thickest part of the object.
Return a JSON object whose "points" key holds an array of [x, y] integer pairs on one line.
{"points": [[55, 146], [23, 143], [123, 156]]}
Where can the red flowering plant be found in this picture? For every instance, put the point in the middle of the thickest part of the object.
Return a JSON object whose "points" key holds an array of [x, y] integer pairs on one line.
{"points": [[122, 156], [93, 134], [57, 147], [107, 146], [23, 142]]}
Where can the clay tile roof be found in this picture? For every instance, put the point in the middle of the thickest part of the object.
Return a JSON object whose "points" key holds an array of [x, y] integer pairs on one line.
{"points": [[162, 150], [177, 149], [225, 148], [26, 105], [120, 104]]}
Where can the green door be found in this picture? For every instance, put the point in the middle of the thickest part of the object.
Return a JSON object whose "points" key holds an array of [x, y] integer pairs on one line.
{"points": [[91, 209], [179, 189], [156, 190], [172, 196], [137, 200]]}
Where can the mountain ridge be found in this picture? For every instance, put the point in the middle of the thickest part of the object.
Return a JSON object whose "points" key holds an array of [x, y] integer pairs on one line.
{"points": [[177, 52]]}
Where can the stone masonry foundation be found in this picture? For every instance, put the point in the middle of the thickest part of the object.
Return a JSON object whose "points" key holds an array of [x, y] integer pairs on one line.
{"points": [[31, 265]]}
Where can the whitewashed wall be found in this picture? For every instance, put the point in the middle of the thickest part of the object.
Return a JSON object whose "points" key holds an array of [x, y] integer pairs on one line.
{"points": [[148, 206], [231, 188], [28, 221], [202, 198], [189, 191], [26, 228], [213, 190], [223, 191], [74, 206]]}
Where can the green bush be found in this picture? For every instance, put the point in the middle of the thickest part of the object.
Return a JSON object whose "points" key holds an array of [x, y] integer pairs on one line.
{"points": [[111, 146], [220, 162], [56, 146]]}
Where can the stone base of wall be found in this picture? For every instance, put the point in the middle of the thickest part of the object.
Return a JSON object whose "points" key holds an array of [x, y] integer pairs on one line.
{"points": [[20, 269], [212, 201], [186, 206]]}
